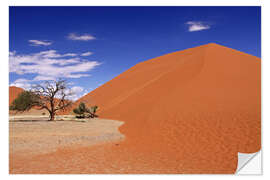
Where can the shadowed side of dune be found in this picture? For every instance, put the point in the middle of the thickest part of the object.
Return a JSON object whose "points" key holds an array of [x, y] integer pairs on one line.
{"points": [[198, 107]]}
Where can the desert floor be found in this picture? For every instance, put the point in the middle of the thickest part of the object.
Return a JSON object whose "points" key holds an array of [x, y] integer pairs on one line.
{"points": [[93, 146], [33, 137]]}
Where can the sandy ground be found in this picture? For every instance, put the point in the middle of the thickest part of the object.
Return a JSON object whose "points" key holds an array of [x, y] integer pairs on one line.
{"points": [[32, 137]]}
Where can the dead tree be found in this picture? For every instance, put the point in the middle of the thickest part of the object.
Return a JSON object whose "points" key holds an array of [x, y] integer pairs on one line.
{"points": [[53, 96]]}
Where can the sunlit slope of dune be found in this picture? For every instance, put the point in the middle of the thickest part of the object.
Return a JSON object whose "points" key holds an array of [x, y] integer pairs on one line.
{"points": [[196, 107]]}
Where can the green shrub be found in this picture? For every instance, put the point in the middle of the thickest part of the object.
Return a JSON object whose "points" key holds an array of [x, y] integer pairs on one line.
{"points": [[25, 101], [82, 111]]}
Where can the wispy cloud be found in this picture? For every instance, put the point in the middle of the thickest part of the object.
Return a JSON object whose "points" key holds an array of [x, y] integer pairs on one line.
{"points": [[49, 65], [84, 37], [39, 43], [70, 54], [86, 54], [54, 54], [22, 83], [197, 26], [78, 92], [77, 75]]}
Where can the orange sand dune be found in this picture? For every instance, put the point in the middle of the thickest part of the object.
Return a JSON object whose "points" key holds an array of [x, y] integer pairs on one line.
{"points": [[13, 93], [190, 111], [196, 107]]}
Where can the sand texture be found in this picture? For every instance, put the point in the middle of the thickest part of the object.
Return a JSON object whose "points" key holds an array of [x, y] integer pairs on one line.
{"points": [[34, 138]]}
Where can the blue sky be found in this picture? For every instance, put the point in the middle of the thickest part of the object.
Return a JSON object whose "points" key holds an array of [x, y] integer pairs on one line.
{"points": [[91, 45]]}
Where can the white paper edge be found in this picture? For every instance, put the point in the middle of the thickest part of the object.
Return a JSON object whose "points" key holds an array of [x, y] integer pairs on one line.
{"points": [[249, 164]]}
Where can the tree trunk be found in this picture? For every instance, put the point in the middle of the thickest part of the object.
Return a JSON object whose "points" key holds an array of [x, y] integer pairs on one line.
{"points": [[52, 116]]}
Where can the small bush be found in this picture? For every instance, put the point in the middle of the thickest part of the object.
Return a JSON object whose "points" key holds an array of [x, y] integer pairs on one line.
{"points": [[25, 101], [83, 112]]}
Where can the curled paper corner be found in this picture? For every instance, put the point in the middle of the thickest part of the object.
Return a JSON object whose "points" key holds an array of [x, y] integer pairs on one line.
{"points": [[249, 163]]}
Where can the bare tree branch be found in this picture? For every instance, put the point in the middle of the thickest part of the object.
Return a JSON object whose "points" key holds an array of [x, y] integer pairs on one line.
{"points": [[48, 92]]}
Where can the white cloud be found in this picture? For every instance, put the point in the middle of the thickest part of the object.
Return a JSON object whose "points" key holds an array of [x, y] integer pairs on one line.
{"points": [[48, 54], [43, 78], [77, 92], [70, 54], [84, 37], [39, 43], [86, 54], [22, 83], [78, 75], [197, 26], [77, 89], [21, 80], [54, 54], [50, 65], [12, 53]]}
